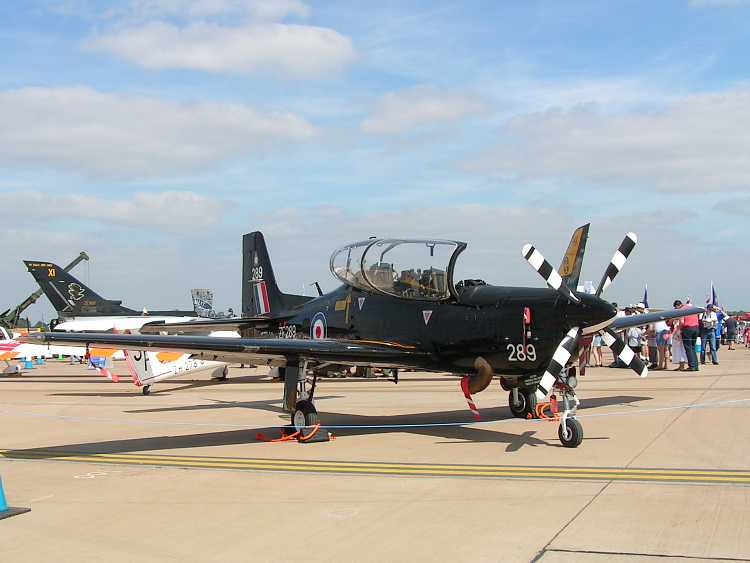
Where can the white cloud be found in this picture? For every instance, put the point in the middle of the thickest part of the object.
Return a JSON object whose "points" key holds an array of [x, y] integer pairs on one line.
{"points": [[697, 143], [169, 209], [412, 108], [299, 50], [122, 135]]}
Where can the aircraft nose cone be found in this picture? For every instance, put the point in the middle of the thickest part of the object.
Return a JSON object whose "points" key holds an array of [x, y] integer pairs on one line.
{"points": [[591, 311]]}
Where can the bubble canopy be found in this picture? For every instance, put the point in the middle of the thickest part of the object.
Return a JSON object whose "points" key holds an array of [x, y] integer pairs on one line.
{"points": [[420, 269]]}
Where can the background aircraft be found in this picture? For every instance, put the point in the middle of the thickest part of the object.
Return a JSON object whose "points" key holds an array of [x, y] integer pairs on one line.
{"points": [[398, 307], [147, 368], [13, 350], [84, 309], [10, 317]]}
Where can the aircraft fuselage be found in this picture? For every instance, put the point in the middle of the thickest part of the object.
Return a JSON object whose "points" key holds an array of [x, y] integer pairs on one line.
{"points": [[489, 321]]}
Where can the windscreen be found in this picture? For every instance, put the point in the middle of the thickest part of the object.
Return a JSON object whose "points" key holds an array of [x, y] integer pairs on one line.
{"points": [[410, 269], [346, 263]]}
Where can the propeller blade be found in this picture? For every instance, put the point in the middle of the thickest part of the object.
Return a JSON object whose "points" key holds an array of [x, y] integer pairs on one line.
{"points": [[547, 271], [565, 350], [618, 261], [624, 353]]}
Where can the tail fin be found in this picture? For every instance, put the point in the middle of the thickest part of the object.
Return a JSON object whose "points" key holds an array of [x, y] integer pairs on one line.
{"points": [[570, 267], [260, 294], [70, 296]]}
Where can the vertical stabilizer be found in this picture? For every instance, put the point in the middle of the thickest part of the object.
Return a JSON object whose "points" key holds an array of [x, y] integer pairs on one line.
{"points": [[69, 296], [260, 293], [570, 267]]}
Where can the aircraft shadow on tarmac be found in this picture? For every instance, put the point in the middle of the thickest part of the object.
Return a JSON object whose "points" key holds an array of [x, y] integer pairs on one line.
{"points": [[162, 390], [450, 434]]}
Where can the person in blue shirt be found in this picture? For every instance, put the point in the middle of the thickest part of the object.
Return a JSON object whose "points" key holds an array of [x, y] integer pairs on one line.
{"points": [[719, 326]]}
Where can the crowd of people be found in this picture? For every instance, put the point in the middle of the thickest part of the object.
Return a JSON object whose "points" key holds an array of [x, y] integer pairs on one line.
{"points": [[682, 342]]}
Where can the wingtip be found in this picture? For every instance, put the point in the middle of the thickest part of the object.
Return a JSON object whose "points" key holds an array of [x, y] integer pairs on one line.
{"points": [[631, 235], [526, 249]]}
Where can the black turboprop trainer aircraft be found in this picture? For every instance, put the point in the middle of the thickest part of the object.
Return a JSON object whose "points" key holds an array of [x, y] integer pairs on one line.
{"points": [[398, 307]]}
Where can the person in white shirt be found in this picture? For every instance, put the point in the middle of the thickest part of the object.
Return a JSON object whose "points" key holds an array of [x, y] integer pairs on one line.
{"points": [[708, 322]]}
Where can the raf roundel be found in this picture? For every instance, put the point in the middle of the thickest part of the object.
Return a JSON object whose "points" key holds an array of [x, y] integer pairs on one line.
{"points": [[318, 326]]}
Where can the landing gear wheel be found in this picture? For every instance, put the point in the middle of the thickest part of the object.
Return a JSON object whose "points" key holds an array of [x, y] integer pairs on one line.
{"points": [[224, 374], [505, 384], [518, 408], [573, 434], [146, 389], [531, 402], [304, 415]]}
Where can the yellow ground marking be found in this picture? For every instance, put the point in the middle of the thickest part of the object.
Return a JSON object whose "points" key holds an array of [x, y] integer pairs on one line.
{"points": [[375, 468]]}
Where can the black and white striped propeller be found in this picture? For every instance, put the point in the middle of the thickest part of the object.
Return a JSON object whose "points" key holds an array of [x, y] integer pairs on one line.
{"points": [[569, 344], [618, 261]]}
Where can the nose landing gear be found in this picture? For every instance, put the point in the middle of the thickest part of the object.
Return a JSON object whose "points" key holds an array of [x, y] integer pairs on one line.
{"points": [[562, 406]]}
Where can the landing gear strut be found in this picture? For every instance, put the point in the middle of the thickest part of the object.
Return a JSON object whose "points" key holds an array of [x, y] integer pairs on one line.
{"points": [[570, 431], [299, 395]]}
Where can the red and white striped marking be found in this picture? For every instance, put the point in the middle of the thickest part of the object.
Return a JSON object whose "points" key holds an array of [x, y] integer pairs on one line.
{"points": [[472, 405], [108, 374], [261, 298]]}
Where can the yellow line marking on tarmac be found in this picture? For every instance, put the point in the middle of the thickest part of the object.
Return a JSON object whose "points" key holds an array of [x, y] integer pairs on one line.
{"points": [[376, 468]]}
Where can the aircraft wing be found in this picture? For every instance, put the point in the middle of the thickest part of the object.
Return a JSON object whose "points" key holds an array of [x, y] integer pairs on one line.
{"points": [[261, 351], [647, 318], [205, 326]]}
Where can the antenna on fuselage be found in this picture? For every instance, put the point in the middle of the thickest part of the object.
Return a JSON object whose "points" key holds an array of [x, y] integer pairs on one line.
{"points": [[317, 286]]}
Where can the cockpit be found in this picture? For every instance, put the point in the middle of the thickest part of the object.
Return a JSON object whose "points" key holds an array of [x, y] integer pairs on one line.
{"points": [[420, 269]]}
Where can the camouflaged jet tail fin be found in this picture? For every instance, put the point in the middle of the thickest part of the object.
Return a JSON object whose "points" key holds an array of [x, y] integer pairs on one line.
{"points": [[69, 295]]}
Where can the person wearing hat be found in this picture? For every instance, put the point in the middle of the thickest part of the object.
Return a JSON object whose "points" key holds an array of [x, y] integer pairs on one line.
{"points": [[708, 322]]}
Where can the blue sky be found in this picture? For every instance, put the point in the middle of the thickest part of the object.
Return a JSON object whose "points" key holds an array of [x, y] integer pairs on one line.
{"points": [[154, 133]]}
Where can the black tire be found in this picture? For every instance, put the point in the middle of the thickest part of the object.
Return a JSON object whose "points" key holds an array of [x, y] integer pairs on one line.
{"points": [[531, 402], [304, 414], [519, 410], [505, 384], [574, 435], [146, 390]]}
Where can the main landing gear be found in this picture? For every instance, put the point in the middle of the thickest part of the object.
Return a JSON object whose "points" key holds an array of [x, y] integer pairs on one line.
{"points": [[146, 389], [522, 402], [304, 416], [299, 393]]}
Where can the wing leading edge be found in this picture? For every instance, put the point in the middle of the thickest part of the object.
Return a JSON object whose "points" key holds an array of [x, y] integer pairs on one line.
{"points": [[646, 318]]}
